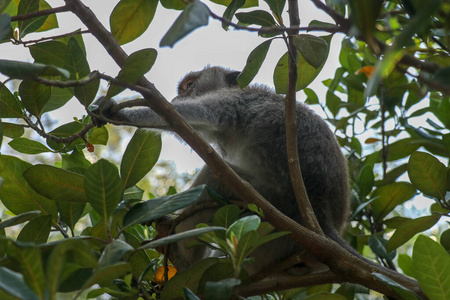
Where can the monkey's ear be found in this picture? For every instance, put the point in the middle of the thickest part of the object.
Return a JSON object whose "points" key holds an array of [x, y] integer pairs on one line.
{"points": [[231, 78]]}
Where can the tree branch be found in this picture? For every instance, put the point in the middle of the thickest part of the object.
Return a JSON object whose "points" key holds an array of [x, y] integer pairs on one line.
{"points": [[351, 269], [40, 13], [306, 211]]}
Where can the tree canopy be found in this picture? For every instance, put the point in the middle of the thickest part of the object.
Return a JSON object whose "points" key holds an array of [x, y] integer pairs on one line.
{"points": [[80, 225]]}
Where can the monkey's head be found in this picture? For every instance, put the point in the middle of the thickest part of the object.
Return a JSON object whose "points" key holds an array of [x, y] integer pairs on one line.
{"points": [[205, 81]]}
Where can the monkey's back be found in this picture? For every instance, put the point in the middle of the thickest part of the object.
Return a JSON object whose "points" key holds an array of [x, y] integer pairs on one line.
{"points": [[259, 126]]}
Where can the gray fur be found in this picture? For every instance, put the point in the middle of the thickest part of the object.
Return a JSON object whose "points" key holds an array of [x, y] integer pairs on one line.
{"points": [[248, 128]]}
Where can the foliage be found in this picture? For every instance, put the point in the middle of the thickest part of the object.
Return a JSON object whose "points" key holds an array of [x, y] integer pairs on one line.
{"points": [[83, 225]]}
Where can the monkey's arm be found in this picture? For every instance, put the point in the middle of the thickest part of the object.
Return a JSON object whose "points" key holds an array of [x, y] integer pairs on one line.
{"points": [[201, 113]]}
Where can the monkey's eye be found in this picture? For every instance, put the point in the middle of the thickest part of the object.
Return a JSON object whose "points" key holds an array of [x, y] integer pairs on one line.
{"points": [[189, 84]]}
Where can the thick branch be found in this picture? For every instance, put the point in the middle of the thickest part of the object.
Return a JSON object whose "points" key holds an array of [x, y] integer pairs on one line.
{"points": [[340, 261], [307, 213]]}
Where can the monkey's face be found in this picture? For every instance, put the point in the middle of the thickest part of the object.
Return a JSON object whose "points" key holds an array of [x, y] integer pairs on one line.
{"points": [[208, 80]]}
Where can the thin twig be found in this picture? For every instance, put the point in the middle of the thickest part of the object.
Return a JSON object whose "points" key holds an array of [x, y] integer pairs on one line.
{"points": [[40, 13], [50, 38]]}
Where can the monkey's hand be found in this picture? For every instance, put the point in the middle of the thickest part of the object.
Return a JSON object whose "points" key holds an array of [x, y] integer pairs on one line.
{"points": [[101, 111]]}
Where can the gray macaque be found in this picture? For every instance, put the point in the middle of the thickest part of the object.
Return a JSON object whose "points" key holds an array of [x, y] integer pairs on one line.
{"points": [[247, 127]]}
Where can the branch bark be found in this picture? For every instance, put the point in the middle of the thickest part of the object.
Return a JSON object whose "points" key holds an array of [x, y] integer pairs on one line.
{"points": [[340, 261]]}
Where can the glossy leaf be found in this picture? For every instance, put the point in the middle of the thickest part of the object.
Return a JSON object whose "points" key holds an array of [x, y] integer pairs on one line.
{"points": [[156, 208], [195, 15], [9, 105], [51, 21], [230, 11], [226, 215], [53, 52], [409, 229], [445, 239], [389, 196], [221, 290], [313, 49], [13, 284], [56, 184], [29, 260], [378, 246], [28, 71], [428, 174], [306, 72], [257, 17], [108, 274], [24, 145], [29, 25], [16, 194], [70, 212], [37, 230], [189, 295], [243, 225], [277, 7], [103, 187], [403, 292], [432, 268], [140, 156], [254, 62], [189, 278], [34, 96], [19, 219], [173, 4], [113, 253], [131, 18], [180, 236], [136, 65], [5, 25], [77, 64]]}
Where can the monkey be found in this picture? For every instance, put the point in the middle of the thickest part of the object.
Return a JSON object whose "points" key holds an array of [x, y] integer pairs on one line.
{"points": [[247, 127]]}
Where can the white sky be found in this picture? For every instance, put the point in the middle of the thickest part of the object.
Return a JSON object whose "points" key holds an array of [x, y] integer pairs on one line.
{"points": [[207, 45]]}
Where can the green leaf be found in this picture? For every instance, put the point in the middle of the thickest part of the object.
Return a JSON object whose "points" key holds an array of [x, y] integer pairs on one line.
{"points": [[51, 21], [141, 155], [403, 292], [410, 228], [107, 274], [173, 4], [103, 187], [5, 25], [13, 284], [29, 260], [445, 239], [405, 263], [37, 230], [306, 72], [378, 246], [432, 268], [131, 18], [325, 296], [80, 254], [226, 215], [12, 130], [70, 212], [365, 180], [196, 14], [189, 295], [243, 225], [9, 105], [29, 25], [229, 12], [16, 194], [311, 96], [113, 253], [257, 17], [34, 96], [254, 62], [24, 145], [57, 184], [313, 49], [428, 174], [156, 208], [189, 278], [77, 64], [98, 136], [51, 53], [135, 66], [388, 197], [221, 290], [19, 219], [180, 236], [28, 71], [277, 7]]}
